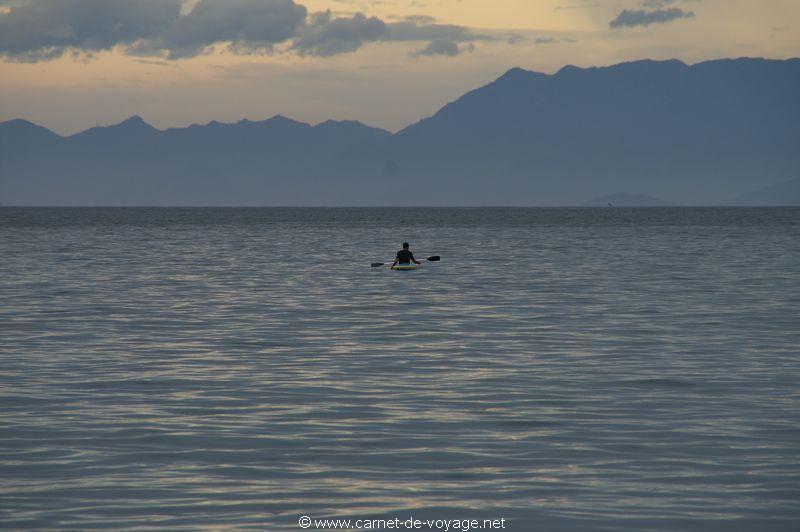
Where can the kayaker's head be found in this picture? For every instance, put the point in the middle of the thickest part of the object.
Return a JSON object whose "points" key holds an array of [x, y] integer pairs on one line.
{"points": [[405, 245]]}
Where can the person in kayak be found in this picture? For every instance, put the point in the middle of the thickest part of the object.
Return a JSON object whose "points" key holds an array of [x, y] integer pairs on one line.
{"points": [[404, 256]]}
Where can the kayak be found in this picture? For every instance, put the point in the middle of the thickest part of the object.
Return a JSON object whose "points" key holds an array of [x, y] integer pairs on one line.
{"points": [[404, 267], [435, 258]]}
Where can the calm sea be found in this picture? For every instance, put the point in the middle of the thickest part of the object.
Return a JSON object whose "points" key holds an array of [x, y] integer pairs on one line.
{"points": [[561, 369]]}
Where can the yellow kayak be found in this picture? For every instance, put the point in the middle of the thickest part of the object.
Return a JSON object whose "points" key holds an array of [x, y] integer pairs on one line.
{"points": [[403, 267]]}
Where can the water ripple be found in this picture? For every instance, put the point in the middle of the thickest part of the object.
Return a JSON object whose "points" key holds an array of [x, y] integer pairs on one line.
{"points": [[567, 369]]}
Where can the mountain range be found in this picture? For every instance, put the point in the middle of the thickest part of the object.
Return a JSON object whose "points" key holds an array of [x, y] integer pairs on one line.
{"points": [[691, 134]]}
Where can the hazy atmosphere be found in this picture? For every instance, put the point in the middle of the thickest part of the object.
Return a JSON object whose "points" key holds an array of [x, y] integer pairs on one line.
{"points": [[444, 265], [71, 64]]}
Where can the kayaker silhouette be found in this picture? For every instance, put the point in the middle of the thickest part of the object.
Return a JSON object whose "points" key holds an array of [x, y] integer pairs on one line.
{"points": [[404, 256]]}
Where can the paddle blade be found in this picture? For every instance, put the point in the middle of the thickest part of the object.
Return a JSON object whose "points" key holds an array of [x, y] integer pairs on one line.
{"points": [[434, 258], [376, 264]]}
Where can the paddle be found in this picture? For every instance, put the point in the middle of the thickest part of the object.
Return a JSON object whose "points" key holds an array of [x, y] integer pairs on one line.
{"points": [[434, 258]]}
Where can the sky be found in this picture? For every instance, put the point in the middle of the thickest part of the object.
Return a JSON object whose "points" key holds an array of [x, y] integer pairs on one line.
{"points": [[72, 64]]}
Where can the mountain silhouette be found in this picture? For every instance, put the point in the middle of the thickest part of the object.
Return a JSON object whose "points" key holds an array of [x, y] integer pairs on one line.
{"points": [[689, 134], [779, 194]]}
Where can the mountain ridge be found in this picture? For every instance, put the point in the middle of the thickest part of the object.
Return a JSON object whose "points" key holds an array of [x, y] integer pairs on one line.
{"points": [[513, 72], [687, 133]]}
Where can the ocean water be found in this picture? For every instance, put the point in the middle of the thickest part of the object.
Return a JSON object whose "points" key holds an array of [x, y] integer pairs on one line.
{"points": [[561, 369]]}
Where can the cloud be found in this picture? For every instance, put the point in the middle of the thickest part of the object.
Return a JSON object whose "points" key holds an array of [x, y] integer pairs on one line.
{"points": [[154, 62], [40, 30], [249, 25], [443, 47], [411, 30], [419, 19], [324, 36], [46, 29], [575, 6], [658, 4], [638, 17]]}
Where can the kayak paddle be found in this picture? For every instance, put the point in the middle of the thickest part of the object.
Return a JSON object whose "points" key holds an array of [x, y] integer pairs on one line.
{"points": [[434, 258]]}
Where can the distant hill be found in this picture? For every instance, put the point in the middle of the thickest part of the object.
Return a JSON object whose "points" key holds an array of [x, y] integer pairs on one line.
{"points": [[697, 134], [278, 161], [628, 200], [783, 193]]}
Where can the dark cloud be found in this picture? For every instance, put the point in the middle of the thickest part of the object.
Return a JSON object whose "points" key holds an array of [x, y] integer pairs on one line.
{"points": [[326, 36], [45, 29], [410, 30], [249, 25], [443, 47], [630, 18]]}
